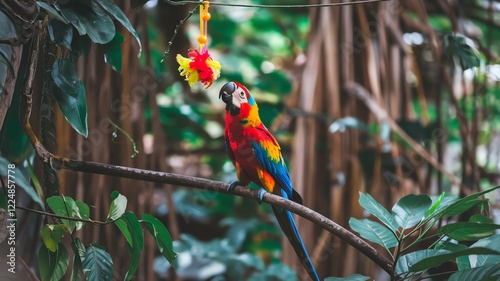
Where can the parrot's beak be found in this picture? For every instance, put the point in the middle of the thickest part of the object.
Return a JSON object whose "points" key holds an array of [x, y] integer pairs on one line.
{"points": [[226, 94]]}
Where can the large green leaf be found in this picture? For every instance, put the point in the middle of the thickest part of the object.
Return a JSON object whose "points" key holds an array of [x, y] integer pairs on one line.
{"points": [[438, 260], [97, 264], [89, 19], [51, 11], [52, 265], [443, 201], [113, 52], [353, 277], [118, 14], [490, 272], [122, 226], [410, 209], [52, 235], [468, 231], [457, 207], [374, 232], [462, 261], [67, 207], [60, 33], [372, 206], [462, 48], [117, 207], [77, 273], [20, 180], [492, 243], [71, 95], [134, 230], [161, 235], [406, 261]]}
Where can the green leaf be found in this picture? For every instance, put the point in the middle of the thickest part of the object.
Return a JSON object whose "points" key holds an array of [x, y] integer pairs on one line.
{"points": [[60, 33], [97, 264], [66, 206], [492, 243], [437, 204], [463, 261], [489, 272], [80, 45], [462, 48], [410, 209], [406, 261], [374, 232], [122, 225], [20, 180], [117, 207], [438, 260], [52, 265], [51, 11], [372, 206], [457, 207], [353, 277], [52, 235], [116, 12], [161, 235], [113, 52], [468, 231], [137, 237], [77, 273], [71, 97], [90, 20], [78, 248]]}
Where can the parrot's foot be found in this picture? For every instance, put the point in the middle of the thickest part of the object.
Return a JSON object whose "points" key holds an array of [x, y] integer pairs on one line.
{"points": [[234, 184], [260, 194]]}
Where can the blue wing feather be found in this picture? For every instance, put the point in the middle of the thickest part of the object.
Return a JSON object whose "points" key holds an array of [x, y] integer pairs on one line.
{"points": [[277, 170]]}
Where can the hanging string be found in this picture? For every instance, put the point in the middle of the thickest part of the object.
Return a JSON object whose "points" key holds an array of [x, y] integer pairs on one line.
{"points": [[319, 5], [204, 18]]}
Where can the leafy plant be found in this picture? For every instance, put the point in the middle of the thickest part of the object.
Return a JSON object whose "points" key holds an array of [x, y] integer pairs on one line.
{"points": [[414, 216], [93, 262], [72, 26]]}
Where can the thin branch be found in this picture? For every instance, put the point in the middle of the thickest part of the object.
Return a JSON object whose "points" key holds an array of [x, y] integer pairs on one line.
{"points": [[320, 5], [64, 217], [183, 180], [176, 179], [216, 186], [176, 30]]}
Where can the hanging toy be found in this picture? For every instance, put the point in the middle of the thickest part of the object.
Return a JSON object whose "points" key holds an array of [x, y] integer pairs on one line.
{"points": [[199, 66]]}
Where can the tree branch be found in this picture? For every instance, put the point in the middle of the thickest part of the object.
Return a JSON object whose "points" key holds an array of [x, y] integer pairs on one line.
{"points": [[63, 217], [177, 179]]}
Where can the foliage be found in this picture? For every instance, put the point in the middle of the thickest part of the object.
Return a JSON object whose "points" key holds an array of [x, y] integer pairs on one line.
{"points": [[414, 216], [218, 259], [92, 262], [73, 25]]}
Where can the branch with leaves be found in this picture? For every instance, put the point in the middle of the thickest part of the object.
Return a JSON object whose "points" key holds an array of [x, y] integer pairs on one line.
{"points": [[59, 162]]}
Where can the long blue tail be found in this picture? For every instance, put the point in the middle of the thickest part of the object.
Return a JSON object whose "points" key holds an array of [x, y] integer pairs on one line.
{"points": [[287, 224]]}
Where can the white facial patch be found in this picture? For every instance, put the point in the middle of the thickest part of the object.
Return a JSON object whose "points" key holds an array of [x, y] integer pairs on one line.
{"points": [[239, 97]]}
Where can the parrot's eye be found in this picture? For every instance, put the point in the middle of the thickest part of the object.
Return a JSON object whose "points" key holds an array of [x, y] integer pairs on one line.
{"points": [[242, 94]]}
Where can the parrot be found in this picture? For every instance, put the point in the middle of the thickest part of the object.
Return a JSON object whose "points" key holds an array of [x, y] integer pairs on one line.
{"points": [[257, 158]]}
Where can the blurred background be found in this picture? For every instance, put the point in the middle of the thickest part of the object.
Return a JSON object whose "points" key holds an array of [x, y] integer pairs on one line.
{"points": [[352, 93]]}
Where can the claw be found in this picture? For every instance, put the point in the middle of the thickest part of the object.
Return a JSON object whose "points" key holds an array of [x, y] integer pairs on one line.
{"points": [[260, 194], [234, 184]]}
